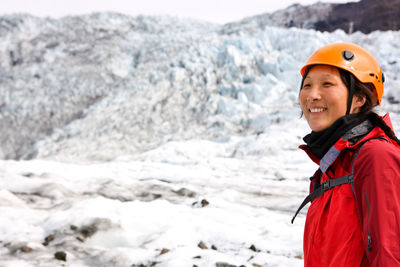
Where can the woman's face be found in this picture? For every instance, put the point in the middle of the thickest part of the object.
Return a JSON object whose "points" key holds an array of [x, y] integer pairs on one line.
{"points": [[323, 97]]}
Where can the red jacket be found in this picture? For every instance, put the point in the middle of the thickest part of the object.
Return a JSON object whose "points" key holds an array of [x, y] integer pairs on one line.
{"points": [[357, 226]]}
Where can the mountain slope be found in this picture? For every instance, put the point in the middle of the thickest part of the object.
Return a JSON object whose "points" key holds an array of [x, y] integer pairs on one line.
{"points": [[98, 86]]}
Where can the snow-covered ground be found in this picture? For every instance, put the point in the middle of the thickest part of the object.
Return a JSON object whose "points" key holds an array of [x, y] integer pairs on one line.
{"points": [[191, 158], [128, 211], [173, 198]]}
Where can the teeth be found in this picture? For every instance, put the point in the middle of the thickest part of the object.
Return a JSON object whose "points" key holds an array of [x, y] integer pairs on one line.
{"points": [[312, 110]]}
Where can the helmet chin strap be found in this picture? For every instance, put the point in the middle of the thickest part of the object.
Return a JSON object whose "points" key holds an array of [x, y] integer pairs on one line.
{"points": [[351, 93]]}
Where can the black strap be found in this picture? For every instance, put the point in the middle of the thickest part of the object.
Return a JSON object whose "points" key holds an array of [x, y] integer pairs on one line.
{"points": [[322, 188], [351, 93], [347, 179]]}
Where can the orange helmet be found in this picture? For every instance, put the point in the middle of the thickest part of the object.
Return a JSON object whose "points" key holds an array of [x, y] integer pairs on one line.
{"points": [[352, 58]]}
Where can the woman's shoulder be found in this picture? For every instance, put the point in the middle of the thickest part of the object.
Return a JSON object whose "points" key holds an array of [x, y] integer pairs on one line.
{"points": [[379, 152], [379, 145]]}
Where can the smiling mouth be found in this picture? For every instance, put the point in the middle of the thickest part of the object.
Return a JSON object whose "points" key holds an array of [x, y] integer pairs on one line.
{"points": [[316, 110]]}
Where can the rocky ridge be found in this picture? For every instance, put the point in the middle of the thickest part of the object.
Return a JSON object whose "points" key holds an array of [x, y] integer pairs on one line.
{"points": [[365, 16]]}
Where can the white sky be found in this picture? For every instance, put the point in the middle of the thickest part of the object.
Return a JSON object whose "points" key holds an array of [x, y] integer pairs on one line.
{"points": [[217, 11]]}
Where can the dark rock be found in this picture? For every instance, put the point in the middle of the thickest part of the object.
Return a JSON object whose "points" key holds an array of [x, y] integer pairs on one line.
{"points": [[300, 257], [26, 249], [60, 255], [214, 247], [164, 251], [202, 245], [154, 263], [48, 239], [224, 264], [88, 230], [253, 248], [204, 203]]}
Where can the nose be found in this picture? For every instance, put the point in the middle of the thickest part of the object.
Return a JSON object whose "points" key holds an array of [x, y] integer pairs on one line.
{"points": [[313, 94]]}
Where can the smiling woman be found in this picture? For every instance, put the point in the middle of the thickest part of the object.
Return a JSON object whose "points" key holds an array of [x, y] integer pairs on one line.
{"points": [[350, 222]]}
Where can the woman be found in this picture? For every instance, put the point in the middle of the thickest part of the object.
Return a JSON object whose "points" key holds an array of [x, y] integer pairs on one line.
{"points": [[354, 217]]}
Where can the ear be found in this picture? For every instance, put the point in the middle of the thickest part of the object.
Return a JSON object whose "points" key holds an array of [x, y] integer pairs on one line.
{"points": [[358, 102]]}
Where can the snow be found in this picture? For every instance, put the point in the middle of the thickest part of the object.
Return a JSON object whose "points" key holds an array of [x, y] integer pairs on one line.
{"points": [[140, 206], [189, 142]]}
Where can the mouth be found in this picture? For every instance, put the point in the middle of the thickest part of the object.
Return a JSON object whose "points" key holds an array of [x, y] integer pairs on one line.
{"points": [[316, 110]]}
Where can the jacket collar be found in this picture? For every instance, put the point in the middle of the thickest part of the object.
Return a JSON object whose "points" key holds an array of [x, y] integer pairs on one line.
{"points": [[350, 140]]}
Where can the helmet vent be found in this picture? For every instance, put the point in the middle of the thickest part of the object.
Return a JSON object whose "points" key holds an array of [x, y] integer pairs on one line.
{"points": [[348, 55]]}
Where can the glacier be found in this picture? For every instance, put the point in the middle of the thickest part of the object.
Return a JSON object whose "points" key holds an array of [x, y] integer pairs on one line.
{"points": [[158, 141]]}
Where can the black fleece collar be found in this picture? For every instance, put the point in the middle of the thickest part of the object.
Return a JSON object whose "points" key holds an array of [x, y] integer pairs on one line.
{"points": [[320, 142]]}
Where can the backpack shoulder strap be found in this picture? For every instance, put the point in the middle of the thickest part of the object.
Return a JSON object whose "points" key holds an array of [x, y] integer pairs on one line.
{"points": [[322, 188]]}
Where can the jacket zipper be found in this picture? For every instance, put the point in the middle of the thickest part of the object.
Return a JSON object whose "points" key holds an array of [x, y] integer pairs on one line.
{"points": [[369, 244]]}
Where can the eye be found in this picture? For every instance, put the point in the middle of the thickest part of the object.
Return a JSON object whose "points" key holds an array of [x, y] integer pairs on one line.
{"points": [[327, 84], [306, 85]]}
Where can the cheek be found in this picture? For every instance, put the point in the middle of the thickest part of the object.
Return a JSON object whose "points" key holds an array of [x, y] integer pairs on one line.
{"points": [[340, 104], [302, 100]]}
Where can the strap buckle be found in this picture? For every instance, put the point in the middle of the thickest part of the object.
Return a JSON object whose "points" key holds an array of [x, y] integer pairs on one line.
{"points": [[326, 185]]}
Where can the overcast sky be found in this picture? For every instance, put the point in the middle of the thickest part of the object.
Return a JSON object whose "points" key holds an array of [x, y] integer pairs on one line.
{"points": [[217, 11]]}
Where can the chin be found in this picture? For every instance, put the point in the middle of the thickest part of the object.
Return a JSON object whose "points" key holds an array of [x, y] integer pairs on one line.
{"points": [[318, 128]]}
